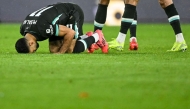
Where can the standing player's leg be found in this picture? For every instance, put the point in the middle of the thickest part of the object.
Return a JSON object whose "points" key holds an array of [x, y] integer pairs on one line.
{"points": [[174, 20], [101, 14], [133, 39], [126, 21], [100, 19]]}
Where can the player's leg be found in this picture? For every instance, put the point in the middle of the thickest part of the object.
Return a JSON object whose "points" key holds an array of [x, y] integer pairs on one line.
{"points": [[55, 43], [174, 20], [101, 14], [126, 21], [133, 39], [98, 38], [79, 14], [83, 44]]}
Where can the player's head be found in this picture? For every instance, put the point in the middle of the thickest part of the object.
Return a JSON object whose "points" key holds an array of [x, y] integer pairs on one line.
{"points": [[25, 46]]}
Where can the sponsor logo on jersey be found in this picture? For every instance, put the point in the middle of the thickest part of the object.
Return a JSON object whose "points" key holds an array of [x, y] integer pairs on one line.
{"points": [[50, 30], [30, 22]]}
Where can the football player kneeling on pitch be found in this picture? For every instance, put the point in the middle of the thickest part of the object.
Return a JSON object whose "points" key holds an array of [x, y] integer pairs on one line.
{"points": [[61, 24]]}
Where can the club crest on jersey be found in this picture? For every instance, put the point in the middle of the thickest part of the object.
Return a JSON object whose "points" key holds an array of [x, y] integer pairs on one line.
{"points": [[47, 31]]}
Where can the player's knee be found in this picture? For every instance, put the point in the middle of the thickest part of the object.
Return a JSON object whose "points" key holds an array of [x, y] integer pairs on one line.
{"points": [[104, 2], [136, 1], [132, 2], [162, 3]]}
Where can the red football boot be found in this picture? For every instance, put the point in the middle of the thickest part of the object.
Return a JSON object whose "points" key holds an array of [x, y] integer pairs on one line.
{"points": [[102, 42], [133, 44], [94, 46]]}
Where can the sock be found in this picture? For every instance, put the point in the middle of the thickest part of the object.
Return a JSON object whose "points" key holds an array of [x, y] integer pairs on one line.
{"points": [[100, 17], [127, 18], [174, 20], [179, 37], [82, 44], [130, 40], [133, 27], [126, 22], [96, 37], [121, 37], [82, 36]]}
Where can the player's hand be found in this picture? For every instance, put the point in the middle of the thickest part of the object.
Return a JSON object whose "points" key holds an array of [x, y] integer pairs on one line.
{"points": [[70, 49]]}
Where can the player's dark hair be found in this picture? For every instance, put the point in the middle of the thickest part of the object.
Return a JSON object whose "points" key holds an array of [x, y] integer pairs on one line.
{"points": [[21, 46]]}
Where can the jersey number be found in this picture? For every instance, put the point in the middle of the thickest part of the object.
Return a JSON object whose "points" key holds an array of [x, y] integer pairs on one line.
{"points": [[38, 12], [69, 26]]}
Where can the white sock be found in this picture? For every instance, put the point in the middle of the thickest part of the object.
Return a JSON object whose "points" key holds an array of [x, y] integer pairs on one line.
{"points": [[83, 36], [132, 39], [96, 37], [179, 37], [121, 37]]}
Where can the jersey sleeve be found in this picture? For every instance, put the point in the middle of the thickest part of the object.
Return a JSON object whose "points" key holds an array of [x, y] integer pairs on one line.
{"points": [[47, 30], [51, 28]]}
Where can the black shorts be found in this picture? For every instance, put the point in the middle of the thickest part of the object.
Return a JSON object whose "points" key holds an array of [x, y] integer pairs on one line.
{"points": [[80, 20]]}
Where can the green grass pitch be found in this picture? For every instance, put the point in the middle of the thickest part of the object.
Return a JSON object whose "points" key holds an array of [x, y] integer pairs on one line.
{"points": [[149, 78]]}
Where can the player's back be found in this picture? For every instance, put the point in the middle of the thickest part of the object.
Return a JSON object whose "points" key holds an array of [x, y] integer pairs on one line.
{"points": [[37, 20], [50, 12]]}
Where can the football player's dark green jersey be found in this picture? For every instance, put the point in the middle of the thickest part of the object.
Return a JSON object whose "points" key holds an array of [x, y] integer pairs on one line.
{"points": [[44, 23]]}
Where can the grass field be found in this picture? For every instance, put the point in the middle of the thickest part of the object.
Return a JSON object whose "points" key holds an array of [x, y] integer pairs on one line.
{"points": [[149, 78]]}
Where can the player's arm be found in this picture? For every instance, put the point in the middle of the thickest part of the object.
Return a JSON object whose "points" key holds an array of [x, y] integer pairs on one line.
{"points": [[68, 35]]}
